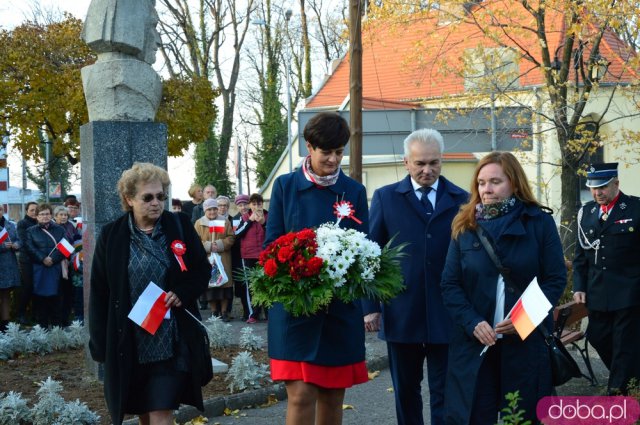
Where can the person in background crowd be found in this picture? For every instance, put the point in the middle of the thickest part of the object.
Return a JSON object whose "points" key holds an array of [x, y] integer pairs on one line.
{"points": [[240, 288], [26, 266], [176, 205], [606, 274], [73, 208], [41, 244], [195, 192], [321, 355], [61, 217], [148, 375], [9, 272], [77, 280], [415, 324], [209, 192], [217, 241], [251, 234], [479, 298], [223, 212]]}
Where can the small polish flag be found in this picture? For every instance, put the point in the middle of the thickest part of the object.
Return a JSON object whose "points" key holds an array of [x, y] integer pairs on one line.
{"points": [[216, 226], [236, 223], [530, 310], [78, 222], [150, 309], [3, 235], [65, 247], [76, 261]]}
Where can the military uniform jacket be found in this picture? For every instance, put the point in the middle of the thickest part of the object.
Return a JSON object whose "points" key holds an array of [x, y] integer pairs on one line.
{"points": [[610, 274]]}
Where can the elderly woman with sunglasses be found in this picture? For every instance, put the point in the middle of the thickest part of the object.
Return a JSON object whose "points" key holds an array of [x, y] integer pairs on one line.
{"points": [[148, 374]]}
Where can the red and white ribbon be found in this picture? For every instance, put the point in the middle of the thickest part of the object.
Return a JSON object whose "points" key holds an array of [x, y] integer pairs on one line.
{"points": [[178, 247], [344, 209]]}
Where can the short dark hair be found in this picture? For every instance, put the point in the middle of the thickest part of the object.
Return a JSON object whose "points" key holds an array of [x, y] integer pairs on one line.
{"points": [[72, 201], [256, 197], [44, 206], [26, 207], [176, 203], [327, 130]]}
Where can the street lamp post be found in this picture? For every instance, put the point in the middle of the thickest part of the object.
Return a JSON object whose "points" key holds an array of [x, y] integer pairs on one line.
{"points": [[287, 16]]}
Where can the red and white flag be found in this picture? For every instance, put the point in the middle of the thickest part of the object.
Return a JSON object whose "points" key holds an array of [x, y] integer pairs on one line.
{"points": [[76, 261], [530, 310], [65, 247], [3, 235], [216, 226], [150, 309]]}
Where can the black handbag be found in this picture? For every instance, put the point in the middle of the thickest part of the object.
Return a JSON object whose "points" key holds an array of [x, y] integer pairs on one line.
{"points": [[563, 365]]}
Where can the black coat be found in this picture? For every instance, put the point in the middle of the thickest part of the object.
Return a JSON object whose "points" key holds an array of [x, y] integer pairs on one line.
{"points": [[22, 227], [612, 282], [111, 332]]}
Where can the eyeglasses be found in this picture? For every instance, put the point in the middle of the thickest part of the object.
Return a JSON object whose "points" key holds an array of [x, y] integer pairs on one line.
{"points": [[148, 197], [223, 205], [44, 214]]}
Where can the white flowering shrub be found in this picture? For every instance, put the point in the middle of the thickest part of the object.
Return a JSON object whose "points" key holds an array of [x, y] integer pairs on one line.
{"points": [[76, 413], [245, 373], [219, 332], [249, 340], [14, 409]]}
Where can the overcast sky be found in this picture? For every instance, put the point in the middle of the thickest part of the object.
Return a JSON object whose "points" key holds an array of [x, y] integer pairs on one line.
{"points": [[14, 12]]}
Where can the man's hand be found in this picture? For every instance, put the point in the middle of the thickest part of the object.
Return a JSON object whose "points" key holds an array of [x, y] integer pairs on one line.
{"points": [[580, 297], [372, 322], [485, 333]]}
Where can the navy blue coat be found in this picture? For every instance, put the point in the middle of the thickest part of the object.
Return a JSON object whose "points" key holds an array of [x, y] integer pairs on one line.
{"points": [[333, 337], [417, 315], [530, 247]]}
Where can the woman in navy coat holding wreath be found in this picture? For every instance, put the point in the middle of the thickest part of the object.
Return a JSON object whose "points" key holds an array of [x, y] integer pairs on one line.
{"points": [[321, 355]]}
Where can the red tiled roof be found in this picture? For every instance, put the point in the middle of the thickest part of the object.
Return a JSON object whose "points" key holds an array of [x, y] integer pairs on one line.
{"points": [[401, 65]]}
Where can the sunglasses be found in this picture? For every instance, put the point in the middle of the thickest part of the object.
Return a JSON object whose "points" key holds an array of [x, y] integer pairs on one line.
{"points": [[148, 197]]}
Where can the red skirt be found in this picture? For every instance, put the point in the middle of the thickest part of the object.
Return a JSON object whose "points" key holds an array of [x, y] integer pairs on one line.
{"points": [[331, 377]]}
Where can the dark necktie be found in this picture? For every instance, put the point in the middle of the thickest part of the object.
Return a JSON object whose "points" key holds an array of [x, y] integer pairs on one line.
{"points": [[424, 200]]}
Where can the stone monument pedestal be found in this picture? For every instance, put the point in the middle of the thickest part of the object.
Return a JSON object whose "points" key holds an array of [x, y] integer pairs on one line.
{"points": [[107, 148]]}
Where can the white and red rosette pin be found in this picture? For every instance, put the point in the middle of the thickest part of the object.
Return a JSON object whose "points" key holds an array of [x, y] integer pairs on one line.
{"points": [[344, 209], [179, 248]]}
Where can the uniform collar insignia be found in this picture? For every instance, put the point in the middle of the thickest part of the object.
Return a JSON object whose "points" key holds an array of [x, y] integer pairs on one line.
{"points": [[623, 205], [593, 210], [592, 169]]}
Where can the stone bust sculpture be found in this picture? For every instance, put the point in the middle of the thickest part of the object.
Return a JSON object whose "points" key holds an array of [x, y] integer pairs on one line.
{"points": [[122, 85]]}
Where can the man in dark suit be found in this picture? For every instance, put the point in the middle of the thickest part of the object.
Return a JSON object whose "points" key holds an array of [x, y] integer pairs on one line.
{"points": [[606, 274], [418, 210]]}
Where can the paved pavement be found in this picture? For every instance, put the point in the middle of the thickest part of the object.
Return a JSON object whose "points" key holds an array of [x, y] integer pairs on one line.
{"points": [[369, 403]]}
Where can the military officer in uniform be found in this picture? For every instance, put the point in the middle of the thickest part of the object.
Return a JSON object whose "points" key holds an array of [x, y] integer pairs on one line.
{"points": [[606, 274]]}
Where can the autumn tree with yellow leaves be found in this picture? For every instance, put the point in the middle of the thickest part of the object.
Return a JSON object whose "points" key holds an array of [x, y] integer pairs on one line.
{"points": [[561, 59], [41, 93]]}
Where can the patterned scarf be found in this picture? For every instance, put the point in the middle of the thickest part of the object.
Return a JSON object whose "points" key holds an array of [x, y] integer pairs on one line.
{"points": [[491, 211], [329, 180]]}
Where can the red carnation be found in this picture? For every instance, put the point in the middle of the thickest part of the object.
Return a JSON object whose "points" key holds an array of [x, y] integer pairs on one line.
{"points": [[306, 234], [314, 265], [285, 254], [271, 267]]}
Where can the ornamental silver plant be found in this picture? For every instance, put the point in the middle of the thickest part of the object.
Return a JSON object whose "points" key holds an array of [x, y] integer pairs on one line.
{"points": [[6, 348], [76, 333], [76, 413], [250, 341], [219, 332], [58, 339], [245, 373], [17, 338], [50, 402], [14, 409], [38, 340]]}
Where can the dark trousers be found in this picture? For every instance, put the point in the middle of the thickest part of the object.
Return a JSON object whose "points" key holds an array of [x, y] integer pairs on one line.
{"points": [[406, 364], [616, 337], [240, 291], [66, 293], [47, 310], [26, 290], [78, 303]]}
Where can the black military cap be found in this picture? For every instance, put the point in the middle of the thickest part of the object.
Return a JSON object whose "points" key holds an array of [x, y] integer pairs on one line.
{"points": [[601, 174]]}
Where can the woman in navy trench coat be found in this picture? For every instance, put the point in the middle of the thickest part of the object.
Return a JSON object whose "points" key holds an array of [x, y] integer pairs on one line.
{"points": [[317, 356], [478, 298]]}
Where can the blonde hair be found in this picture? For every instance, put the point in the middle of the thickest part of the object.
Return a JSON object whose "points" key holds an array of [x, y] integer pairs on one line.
{"points": [[141, 172], [466, 217], [193, 189]]}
